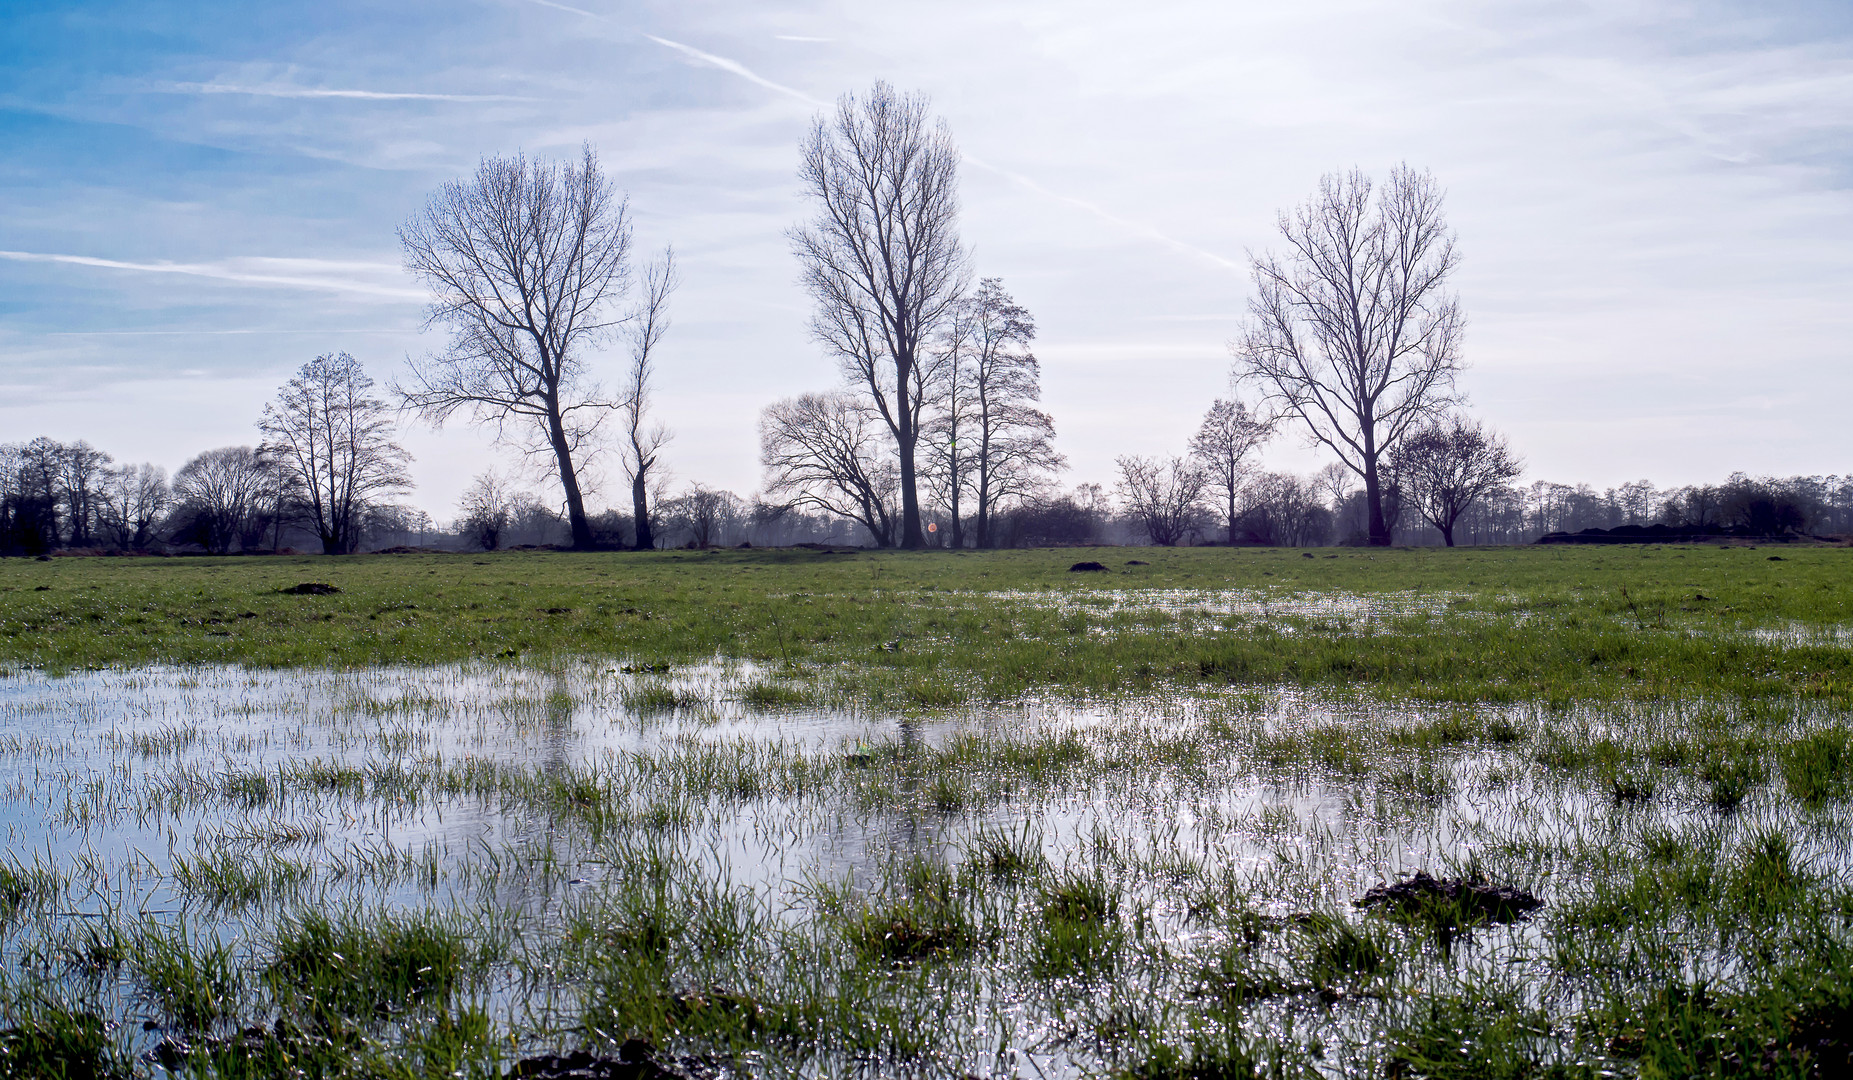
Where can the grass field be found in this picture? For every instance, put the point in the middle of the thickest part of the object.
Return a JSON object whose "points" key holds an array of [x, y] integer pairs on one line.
{"points": [[796, 813]]}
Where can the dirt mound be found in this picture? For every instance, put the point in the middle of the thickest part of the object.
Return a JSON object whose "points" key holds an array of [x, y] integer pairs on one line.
{"points": [[1085, 567], [632, 1063], [310, 588], [1473, 897]]}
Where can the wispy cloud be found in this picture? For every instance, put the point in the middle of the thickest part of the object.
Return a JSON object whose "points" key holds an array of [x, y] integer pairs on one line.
{"points": [[568, 7], [1133, 227], [317, 92], [215, 333], [736, 68], [319, 274]]}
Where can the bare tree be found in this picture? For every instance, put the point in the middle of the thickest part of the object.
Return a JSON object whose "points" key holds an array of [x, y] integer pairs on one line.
{"points": [[1228, 435], [828, 452], [487, 505], [704, 512], [644, 440], [997, 442], [1445, 467], [526, 262], [82, 470], [882, 258], [1352, 332], [217, 492], [1165, 498], [328, 432], [133, 498]]}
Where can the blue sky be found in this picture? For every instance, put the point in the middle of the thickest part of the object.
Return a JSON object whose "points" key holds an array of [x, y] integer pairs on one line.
{"points": [[1653, 201]]}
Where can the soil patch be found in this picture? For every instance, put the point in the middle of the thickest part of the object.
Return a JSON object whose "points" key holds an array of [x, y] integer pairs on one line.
{"points": [[1474, 898], [310, 588], [1086, 567]]}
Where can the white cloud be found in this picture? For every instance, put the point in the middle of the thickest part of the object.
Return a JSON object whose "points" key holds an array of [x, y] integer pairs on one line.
{"points": [[363, 279]]}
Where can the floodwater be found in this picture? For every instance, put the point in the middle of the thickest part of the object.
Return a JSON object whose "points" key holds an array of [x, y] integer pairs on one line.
{"points": [[354, 788]]}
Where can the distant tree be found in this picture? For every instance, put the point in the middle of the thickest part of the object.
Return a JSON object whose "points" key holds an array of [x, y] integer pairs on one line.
{"points": [[644, 440], [81, 473], [996, 442], [827, 452], [486, 507], [216, 493], [1283, 510], [1445, 467], [1352, 333], [328, 432], [1164, 498], [882, 259], [526, 262], [131, 500], [28, 503], [40, 473], [1222, 445], [703, 512]]}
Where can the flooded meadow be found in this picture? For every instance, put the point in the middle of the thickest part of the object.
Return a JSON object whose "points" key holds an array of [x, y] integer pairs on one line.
{"points": [[724, 867]]}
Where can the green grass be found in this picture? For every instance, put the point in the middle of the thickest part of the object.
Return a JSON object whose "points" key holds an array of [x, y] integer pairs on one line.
{"points": [[931, 629], [1107, 824]]}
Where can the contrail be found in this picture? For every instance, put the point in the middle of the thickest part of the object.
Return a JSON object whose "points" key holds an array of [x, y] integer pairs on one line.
{"points": [[220, 273], [310, 92], [1082, 204], [196, 333], [574, 10], [736, 68]]}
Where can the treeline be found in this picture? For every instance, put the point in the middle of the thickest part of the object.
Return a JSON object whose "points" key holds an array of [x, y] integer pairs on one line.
{"points": [[933, 435]]}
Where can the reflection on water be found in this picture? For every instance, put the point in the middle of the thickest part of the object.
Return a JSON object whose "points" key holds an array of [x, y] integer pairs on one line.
{"points": [[421, 786]]}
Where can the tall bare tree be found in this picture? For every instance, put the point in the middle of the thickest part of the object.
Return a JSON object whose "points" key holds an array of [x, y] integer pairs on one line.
{"points": [[1352, 331], [218, 491], [527, 262], [882, 258], [1228, 435], [1164, 497], [828, 452], [997, 443], [83, 469], [1445, 467], [643, 439], [328, 432]]}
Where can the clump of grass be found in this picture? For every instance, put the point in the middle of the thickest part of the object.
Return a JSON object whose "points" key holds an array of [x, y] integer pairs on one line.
{"points": [[194, 983], [924, 916], [1730, 774], [49, 1040], [365, 966], [1339, 953], [1078, 932], [1819, 767], [1452, 1038], [228, 878], [649, 697], [1006, 854], [766, 694]]}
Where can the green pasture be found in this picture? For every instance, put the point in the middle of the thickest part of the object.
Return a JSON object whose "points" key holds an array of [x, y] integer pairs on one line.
{"points": [[937, 628], [803, 814]]}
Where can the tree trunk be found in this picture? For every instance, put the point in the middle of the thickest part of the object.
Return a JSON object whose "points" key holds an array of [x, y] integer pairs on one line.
{"points": [[958, 528], [907, 437], [640, 510], [1447, 534], [569, 485], [1232, 515], [1373, 501]]}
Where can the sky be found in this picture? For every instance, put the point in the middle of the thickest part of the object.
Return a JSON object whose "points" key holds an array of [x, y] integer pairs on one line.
{"points": [[1654, 204]]}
